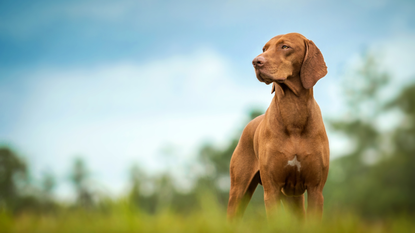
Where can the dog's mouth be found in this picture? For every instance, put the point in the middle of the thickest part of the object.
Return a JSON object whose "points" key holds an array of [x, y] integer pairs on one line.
{"points": [[263, 78], [266, 78]]}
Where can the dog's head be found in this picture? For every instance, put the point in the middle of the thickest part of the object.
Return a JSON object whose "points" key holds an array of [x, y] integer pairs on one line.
{"points": [[290, 55]]}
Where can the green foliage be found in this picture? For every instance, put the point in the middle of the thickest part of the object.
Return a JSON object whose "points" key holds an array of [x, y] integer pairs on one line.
{"points": [[216, 160], [214, 179], [13, 173], [210, 218], [375, 178], [79, 178]]}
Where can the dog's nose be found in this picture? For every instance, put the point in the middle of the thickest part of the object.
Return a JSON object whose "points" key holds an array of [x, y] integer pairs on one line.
{"points": [[258, 61]]}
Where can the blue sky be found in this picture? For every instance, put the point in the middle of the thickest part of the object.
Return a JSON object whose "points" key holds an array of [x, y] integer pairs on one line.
{"points": [[122, 82]]}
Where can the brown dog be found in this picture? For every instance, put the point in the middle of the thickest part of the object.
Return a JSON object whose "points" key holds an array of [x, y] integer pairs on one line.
{"points": [[287, 149]]}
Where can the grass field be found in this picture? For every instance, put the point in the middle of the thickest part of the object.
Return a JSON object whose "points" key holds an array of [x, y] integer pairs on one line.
{"points": [[211, 218]]}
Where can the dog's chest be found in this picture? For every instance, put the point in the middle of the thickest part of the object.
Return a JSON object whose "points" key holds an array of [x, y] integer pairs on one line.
{"points": [[294, 163], [293, 117], [293, 153]]}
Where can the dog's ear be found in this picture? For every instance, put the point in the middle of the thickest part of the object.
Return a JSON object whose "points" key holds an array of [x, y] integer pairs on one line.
{"points": [[314, 67], [273, 87]]}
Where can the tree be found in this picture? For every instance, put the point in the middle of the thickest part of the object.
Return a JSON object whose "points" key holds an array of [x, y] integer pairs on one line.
{"points": [[79, 178], [376, 177], [13, 172], [216, 161], [48, 184], [136, 177]]}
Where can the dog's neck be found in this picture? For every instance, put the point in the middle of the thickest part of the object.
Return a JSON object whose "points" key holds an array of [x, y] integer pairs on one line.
{"points": [[291, 106]]}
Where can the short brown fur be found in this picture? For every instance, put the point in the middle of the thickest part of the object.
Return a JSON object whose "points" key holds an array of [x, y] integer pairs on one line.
{"points": [[286, 149]]}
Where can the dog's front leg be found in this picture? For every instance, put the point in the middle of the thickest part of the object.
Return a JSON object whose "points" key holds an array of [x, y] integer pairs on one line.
{"points": [[272, 202], [272, 195], [315, 202], [295, 204]]}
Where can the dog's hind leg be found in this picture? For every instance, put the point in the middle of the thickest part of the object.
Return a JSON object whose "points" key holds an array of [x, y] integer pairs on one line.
{"points": [[242, 189]]}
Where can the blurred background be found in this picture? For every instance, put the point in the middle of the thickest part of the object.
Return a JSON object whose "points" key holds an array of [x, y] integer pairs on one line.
{"points": [[146, 100]]}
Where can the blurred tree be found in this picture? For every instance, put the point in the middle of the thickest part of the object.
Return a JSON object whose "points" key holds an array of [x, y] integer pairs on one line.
{"points": [[164, 192], [216, 160], [13, 172], [136, 177], [79, 178], [214, 180], [48, 183], [45, 197], [393, 177], [376, 177]]}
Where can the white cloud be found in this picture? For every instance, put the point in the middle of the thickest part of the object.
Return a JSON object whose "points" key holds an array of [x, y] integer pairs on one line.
{"points": [[398, 55], [116, 114]]}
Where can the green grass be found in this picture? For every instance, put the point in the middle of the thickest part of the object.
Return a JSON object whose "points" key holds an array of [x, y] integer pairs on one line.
{"points": [[120, 217]]}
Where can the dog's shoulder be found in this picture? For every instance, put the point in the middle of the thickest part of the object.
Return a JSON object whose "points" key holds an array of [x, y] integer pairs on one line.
{"points": [[251, 127]]}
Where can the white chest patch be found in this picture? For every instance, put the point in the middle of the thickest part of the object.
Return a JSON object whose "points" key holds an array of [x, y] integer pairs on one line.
{"points": [[294, 162]]}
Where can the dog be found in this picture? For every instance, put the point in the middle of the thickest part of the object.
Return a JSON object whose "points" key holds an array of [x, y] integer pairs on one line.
{"points": [[286, 150]]}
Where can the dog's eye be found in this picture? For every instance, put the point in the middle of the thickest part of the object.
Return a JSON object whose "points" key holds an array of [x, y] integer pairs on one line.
{"points": [[263, 49], [284, 47]]}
